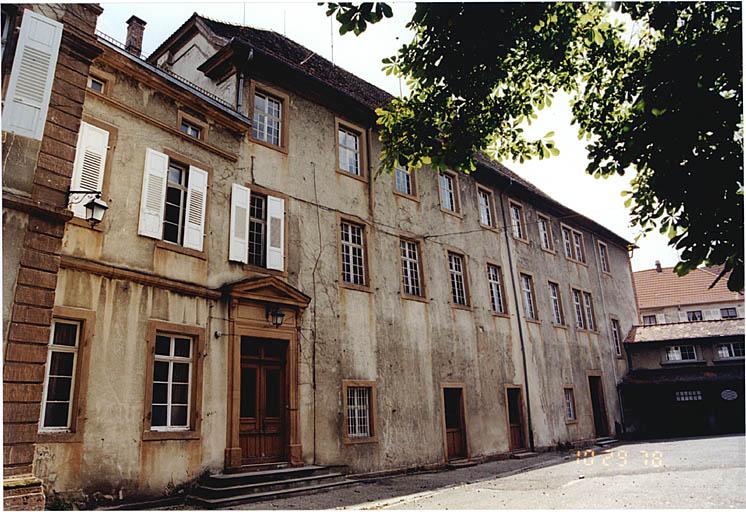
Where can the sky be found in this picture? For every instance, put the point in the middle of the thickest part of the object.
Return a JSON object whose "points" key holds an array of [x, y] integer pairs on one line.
{"points": [[563, 177]]}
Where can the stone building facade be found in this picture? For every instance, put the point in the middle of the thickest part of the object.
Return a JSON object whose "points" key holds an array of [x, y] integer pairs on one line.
{"points": [[256, 293]]}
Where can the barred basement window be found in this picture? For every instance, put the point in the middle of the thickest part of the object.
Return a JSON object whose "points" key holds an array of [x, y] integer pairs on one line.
{"points": [[458, 280], [353, 254], [172, 372], [688, 396], [258, 230], [410, 268], [358, 412], [59, 382], [494, 278]]}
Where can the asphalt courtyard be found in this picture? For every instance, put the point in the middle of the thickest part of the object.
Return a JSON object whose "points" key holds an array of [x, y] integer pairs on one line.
{"points": [[705, 472]]}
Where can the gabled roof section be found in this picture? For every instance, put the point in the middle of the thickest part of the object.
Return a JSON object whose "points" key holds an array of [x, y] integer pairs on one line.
{"points": [[732, 327], [665, 288], [268, 289]]}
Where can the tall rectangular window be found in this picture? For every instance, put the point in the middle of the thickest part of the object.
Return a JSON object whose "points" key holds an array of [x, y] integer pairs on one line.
{"points": [[353, 254], [579, 246], [567, 242], [267, 125], [458, 278], [404, 181], [558, 316], [616, 336], [516, 219], [59, 384], [349, 151], [258, 230], [177, 188], [603, 253], [590, 316], [529, 300], [410, 268], [494, 278], [545, 233], [486, 216], [172, 382], [573, 244], [681, 353], [577, 299], [570, 405], [359, 413], [447, 185], [694, 316]]}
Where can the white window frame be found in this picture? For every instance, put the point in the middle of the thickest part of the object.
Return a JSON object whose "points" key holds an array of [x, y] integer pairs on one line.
{"points": [[517, 220], [694, 395], [529, 297], [267, 117], [545, 233], [603, 254], [692, 314], [573, 242], [675, 354], [171, 359], [555, 296], [457, 272], [570, 412], [577, 299], [92, 79], [494, 279], [51, 348], [359, 412], [192, 130], [410, 268], [345, 151], [731, 348], [403, 176], [616, 335], [447, 187], [351, 249], [486, 212], [590, 311]]}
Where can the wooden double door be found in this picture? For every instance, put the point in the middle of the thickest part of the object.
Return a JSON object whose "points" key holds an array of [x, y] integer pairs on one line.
{"points": [[263, 421]]}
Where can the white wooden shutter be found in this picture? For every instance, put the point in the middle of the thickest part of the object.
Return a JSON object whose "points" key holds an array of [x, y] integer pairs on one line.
{"points": [[194, 224], [30, 84], [660, 318], [239, 226], [88, 169], [683, 317], [275, 233], [153, 200]]}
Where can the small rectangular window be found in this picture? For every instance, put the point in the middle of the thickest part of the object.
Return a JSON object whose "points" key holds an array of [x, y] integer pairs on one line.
{"points": [[728, 313], [516, 219], [486, 215], [59, 383], [458, 278], [529, 301], [649, 320], [267, 125], [570, 405], [349, 151], [577, 299], [494, 278], [404, 181], [545, 233], [694, 316], [172, 381], [603, 253], [410, 268], [353, 253], [558, 316], [616, 336], [359, 412], [97, 85], [688, 396], [447, 192], [730, 350], [681, 353], [190, 129]]}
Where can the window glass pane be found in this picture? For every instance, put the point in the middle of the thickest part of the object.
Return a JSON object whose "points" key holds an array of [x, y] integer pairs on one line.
{"points": [[179, 416], [160, 393], [62, 363], [248, 347], [158, 416], [182, 347], [180, 394], [59, 388], [162, 345], [160, 371], [180, 372], [65, 334], [56, 414], [248, 392]]}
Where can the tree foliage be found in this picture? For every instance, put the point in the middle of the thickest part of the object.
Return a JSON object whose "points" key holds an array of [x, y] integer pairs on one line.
{"points": [[656, 89]]}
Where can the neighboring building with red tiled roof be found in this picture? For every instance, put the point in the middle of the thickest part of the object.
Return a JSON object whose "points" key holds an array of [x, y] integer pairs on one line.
{"points": [[664, 297]]}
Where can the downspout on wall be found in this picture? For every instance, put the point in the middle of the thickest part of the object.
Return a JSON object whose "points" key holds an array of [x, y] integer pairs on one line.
{"points": [[518, 318]]}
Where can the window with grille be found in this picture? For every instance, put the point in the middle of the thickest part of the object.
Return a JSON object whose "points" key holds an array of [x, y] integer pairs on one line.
{"points": [[730, 350], [267, 125], [529, 302], [177, 188], [688, 396], [558, 316], [603, 253], [258, 230], [486, 217], [59, 384], [494, 278], [570, 405], [447, 192], [728, 313], [410, 268], [681, 353], [545, 233], [590, 316], [359, 412], [616, 336], [577, 300], [516, 219], [353, 254], [349, 151], [172, 382], [403, 181], [694, 316], [458, 278]]}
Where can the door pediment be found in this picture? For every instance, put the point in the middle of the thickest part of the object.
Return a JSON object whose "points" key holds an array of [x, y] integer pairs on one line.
{"points": [[266, 289]]}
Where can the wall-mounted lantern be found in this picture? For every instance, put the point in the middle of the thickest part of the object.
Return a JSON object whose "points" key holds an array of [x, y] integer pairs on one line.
{"points": [[94, 209], [274, 315]]}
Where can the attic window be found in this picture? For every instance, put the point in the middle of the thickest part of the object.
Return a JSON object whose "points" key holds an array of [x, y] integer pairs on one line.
{"points": [[192, 126], [190, 129], [96, 84]]}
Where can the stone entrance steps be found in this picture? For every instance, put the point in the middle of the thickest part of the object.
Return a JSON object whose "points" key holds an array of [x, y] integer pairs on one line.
{"points": [[606, 442], [227, 489]]}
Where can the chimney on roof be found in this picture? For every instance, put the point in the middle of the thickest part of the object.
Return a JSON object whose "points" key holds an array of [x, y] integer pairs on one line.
{"points": [[135, 30], [658, 266]]}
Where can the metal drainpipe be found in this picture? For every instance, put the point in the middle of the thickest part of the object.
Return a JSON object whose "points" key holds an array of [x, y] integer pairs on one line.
{"points": [[596, 257], [518, 317]]}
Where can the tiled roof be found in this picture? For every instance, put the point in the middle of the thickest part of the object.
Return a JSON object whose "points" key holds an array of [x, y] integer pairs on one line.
{"points": [[661, 289], [686, 330]]}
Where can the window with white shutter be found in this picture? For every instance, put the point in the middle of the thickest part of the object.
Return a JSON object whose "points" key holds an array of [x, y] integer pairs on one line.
{"points": [[275, 233], [194, 218], [152, 202], [239, 225], [88, 169], [30, 84]]}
